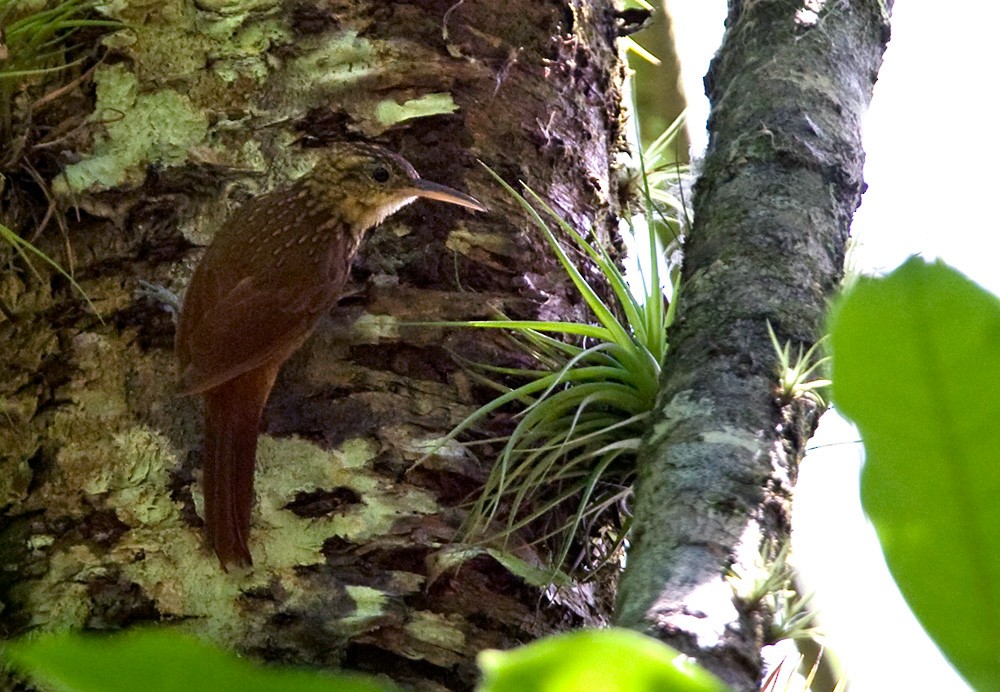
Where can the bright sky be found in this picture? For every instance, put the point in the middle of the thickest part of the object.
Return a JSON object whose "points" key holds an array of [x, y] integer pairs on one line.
{"points": [[932, 191], [930, 194]]}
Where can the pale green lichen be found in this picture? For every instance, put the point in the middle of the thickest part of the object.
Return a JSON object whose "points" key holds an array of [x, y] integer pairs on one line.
{"points": [[119, 39], [184, 579], [340, 62], [373, 329], [252, 155], [129, 470], [60, 599], [246, 40], [139, 497], [166, 11], [369, 604], [436, 629], [388, 112], [238, 7], [139, 129], [81, 430], [490, 249], [106, 457], [733, 437], [287, 467], [217, 52], [39, 541], [56, 605], [239, 49], [168, 54], [440, 447], [99, 391]]}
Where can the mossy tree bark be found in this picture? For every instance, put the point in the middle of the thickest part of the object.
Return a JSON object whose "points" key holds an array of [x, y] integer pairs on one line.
{"points": [[772, 210], [200, 104]]}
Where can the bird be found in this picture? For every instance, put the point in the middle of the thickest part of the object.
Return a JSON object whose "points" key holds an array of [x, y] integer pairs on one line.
{"points": [[273, 268]]}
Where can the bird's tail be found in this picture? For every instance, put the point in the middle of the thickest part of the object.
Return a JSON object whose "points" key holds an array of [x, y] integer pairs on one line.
{"points": [[232, 421]]}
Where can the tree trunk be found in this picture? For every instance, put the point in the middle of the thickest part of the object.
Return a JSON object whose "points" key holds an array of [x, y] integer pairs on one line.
{"points": [[773, 206], [199, 105]]}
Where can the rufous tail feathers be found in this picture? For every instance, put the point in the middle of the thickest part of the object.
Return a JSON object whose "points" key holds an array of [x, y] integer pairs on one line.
{"points": [[232, 422]]}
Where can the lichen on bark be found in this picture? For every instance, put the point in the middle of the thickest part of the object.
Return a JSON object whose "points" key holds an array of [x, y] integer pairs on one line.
{"points": [[198, 107]]}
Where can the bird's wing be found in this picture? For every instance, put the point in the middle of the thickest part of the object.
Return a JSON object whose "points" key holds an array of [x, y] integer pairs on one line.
{"points": [[227, 331]]}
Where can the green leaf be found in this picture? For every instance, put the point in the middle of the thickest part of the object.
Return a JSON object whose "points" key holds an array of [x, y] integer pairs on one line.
{"points": [[585, 402], [161, 660], [600, 309], [611, 660], [916, 364]]}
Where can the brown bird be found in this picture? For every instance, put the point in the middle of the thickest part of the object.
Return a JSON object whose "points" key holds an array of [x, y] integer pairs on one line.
{"points": [[274, 267]]}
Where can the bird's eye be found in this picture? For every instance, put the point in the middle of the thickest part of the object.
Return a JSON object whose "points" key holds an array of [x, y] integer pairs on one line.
{"points": [[380, 174]]}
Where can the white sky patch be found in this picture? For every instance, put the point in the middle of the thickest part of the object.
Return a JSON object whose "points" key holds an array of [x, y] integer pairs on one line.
{"points": [[809, 13]]}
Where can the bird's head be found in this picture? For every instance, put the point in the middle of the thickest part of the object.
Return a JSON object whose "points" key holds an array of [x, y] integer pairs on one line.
{"points": [[366, 183]]}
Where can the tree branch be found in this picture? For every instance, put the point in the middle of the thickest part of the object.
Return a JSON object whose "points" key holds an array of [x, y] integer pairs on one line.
{"points": [[780, 183]]}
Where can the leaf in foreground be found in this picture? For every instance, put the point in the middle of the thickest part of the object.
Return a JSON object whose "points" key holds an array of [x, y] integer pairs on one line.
{"points": [[159, 660], [610, 660], [916, 364]]}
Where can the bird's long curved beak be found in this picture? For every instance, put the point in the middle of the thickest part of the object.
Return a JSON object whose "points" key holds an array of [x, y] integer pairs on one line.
{"points": [[443, 193]]}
